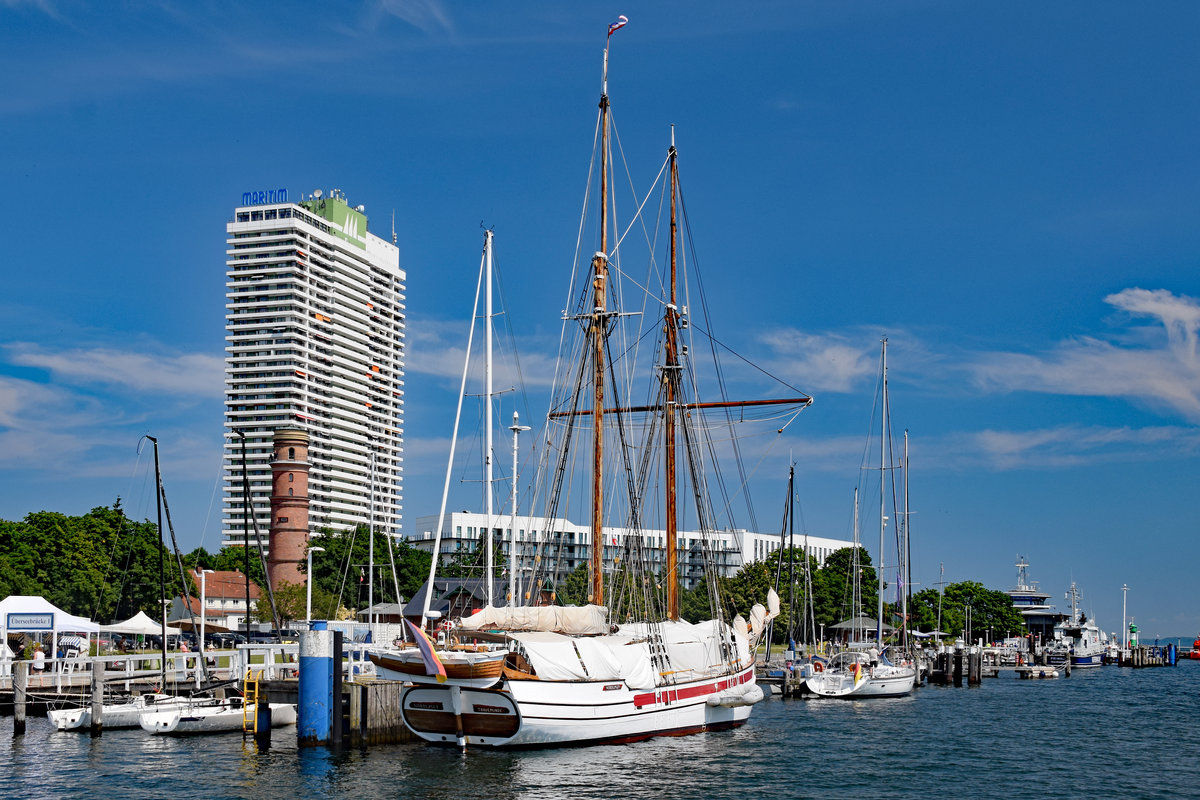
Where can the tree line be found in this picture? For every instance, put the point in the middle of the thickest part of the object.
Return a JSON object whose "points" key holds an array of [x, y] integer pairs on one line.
{"points": [[105, 566]]}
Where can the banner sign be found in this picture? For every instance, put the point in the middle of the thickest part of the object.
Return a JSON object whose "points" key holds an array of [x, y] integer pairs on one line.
{"points": [[30, 622]]}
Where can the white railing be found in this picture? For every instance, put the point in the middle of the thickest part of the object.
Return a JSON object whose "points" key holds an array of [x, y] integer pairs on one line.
{"points": [[181, 669], [274, 661]]}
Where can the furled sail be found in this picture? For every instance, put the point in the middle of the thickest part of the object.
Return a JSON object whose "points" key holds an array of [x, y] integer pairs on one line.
{"points": [[576, 620]]}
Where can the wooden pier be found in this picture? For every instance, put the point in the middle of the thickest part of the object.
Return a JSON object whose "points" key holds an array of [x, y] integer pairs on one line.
{"points": [[1150, 656], [375, 713]]}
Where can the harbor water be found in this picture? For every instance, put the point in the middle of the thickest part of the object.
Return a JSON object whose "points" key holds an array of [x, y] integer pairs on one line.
{"points": [[1113, 732]]}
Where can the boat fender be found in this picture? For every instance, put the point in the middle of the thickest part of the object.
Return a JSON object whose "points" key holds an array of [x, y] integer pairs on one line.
{"points": [[752, 695]]}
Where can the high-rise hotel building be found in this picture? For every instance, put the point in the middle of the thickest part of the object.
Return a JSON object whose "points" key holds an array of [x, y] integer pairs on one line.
{"points": [[314, 334]]}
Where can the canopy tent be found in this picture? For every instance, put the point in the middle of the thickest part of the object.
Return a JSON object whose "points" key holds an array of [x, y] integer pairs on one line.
{"points": [[860, 623], [923, 635], [139, 624], [37, 615]]}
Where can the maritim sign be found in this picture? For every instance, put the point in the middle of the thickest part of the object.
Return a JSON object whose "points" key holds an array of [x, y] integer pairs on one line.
{"points": [[264, 197]]}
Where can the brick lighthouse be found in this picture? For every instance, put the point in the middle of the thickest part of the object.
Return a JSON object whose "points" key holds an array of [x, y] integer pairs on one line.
{"points": [[289, 506]]}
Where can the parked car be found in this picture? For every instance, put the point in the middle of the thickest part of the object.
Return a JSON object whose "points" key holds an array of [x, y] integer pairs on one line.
{"points": [[287, 635], [227, 639], [262, 637]]}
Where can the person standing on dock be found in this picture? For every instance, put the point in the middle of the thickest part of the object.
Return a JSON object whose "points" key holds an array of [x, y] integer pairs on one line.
{"points": [[39, 658]]}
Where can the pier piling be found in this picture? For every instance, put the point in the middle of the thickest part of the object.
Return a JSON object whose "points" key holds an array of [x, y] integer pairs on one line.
{"points": [[20, 685], [337, 707], [974, 667], [97, 725], [317, 668]]}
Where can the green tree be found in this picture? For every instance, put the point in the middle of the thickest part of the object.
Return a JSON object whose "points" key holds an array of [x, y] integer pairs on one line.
{"points": [[833, 586], [694, 603], [100, 565], [200, 559], [233, 558], [573, 589], [991, 611], [292, 601], [340, 571]]}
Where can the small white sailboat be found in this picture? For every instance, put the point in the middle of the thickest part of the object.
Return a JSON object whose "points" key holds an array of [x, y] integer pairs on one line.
{"points": [[858, 674], [211, 716], [858, 671], [123, 714]]}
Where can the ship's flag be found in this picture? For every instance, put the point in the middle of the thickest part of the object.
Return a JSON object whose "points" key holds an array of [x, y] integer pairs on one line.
{"points": [[621, 22], [433, 664]]}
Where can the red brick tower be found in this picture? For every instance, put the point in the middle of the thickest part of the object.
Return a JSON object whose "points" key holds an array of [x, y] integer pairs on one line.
{"points": [[289, 506]]}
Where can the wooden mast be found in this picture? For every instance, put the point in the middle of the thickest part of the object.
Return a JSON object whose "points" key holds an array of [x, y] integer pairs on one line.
{"points": [[671, 379], [599, 324]]}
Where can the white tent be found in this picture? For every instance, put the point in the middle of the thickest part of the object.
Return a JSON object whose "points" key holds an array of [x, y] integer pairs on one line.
{"points": [[33, 614], [139, 624], [30, 613]]}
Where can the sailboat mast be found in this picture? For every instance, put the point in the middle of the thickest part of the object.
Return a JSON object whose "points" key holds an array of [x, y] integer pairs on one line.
{"points": [[907, 550], [162, 570], [513, 560], [855, 566], [671, 379], [791, 512], [883, 426], [487, 455], [462, 392], [599, 322]]}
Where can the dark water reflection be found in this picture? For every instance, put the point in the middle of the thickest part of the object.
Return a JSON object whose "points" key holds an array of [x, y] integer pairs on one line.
{"points": [[1111, 732]]}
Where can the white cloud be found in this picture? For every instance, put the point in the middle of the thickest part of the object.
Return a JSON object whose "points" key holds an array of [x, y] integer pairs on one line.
{"points": [[195, 374], [438, 349], [1157, 367], [427, 16], [1072, 445], [833, 362]]}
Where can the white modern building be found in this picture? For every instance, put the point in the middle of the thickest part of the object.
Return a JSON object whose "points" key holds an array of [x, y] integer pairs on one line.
{"points": [[314, 334], [462, 532]]}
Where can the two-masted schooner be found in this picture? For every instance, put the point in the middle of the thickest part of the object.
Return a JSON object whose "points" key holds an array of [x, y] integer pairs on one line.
{"points": [[623, 666]]}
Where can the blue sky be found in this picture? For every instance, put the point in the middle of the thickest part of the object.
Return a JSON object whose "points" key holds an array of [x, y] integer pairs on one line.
{"points": [[1008, 193]]}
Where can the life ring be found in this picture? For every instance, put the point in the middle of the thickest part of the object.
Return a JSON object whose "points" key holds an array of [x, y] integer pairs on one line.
{"points": [[818, 666]]}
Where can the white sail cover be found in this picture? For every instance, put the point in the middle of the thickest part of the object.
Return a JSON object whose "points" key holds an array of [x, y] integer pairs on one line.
{"points": [[692, 650], [576, 620]]}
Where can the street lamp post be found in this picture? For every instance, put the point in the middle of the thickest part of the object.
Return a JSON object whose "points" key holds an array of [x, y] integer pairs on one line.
{"points": [[308, 582], [203, 608]]}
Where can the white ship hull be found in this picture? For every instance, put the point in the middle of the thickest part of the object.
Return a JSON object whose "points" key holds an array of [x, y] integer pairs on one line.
{"points": [[215, 718], [115, 715], [893, 684], [539, 713]]}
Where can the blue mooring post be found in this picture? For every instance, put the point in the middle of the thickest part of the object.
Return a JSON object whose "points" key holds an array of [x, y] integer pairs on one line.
{"points": [[315, 711]]}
